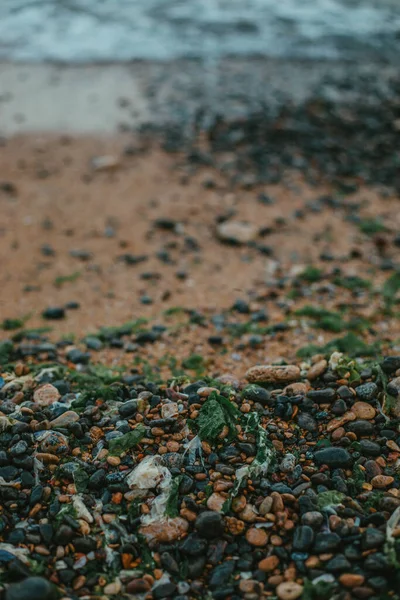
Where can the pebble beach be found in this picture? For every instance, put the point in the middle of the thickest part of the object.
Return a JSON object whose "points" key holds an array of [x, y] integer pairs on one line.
{"points": [[199, 330]]}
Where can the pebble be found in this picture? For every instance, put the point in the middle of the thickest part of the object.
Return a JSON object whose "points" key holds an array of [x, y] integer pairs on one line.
{"points": [[351, 580], [216, 502], [307, 422], [369, 448], [269, 564], [333, 457], [393, 387], [165, 530], [273, 374], [257, 394], [317, 369], [32, 588], [236, 232], [209, 524], [326, 542], [54, 313], [138, 586], [288, 463], [303, 538], [362, 410], [390, 364], [372, 538], [325, 395], [289, 590], [380, 482], [257, 537], [313, 519], [105, 163], [65, 419], [112, 589], [367, 391], [46, 395]]}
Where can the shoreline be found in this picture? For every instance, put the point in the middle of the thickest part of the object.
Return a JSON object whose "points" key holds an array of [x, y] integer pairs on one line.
{"points": [[107, 98]]}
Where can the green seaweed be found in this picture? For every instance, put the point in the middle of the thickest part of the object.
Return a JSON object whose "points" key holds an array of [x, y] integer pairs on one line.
{"points": [[127, 441], [194, 362], [311, 274], [329, 499], [216, 412], [171, 509], [81, 480], [390, 289], [352, 283], [6, 349], [349, 344], [107, 333], [372, 226], [321, 590], [61, 279]]}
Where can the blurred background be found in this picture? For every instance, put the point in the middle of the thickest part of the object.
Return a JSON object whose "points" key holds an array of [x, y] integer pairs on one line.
{"points": [[171, 56], [119, 30]]}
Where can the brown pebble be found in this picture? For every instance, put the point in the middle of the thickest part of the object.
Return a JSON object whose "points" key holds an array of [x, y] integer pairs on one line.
{"points": [[273, 374], [48, 458], [338, 434], [239, 503], [296, 389], [317, 370], [65, 419], [268, 564], [351, 580], [381, 481], [138, 586], [363, 410], [266, 506], [46, 395], [165, 530], [216, 502], [391, 444], [173, 446], [257, 537]]}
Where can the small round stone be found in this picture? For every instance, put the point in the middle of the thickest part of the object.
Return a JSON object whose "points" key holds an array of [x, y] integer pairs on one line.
{"points": [[257, 537], [268, 564], [351, 580], [382, 481], [289, 590], [363, 410]]}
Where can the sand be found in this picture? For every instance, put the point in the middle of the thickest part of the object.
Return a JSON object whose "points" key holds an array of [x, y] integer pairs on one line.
{"points": [[58, 200]]}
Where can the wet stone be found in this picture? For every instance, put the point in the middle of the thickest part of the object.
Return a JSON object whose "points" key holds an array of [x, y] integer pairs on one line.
{"points": [[372, 538], [339, 407], [313, 519], [32, 588], [369, 448], [257, 394], [338, 564], [303, 538], [390, 364], [9, 473], [326, 542], [221, 575], [367, 391], [209, 524], [54, 313], [326, 395], [307, 422], [361, 428], [333, 457]]}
